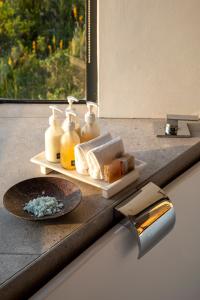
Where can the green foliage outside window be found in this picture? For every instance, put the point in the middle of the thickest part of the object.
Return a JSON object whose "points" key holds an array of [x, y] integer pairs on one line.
{"points": [[42, 49]]}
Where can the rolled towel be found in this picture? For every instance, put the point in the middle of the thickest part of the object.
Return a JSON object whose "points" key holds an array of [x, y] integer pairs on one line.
{"points": [[103, 155], [82, 149]]}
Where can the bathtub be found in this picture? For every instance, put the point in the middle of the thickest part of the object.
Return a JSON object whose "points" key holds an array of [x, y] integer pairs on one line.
{"points": [[110, 268]]}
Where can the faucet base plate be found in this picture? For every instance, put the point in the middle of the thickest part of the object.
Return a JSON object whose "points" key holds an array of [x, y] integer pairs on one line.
{"points": [[183, 130]]}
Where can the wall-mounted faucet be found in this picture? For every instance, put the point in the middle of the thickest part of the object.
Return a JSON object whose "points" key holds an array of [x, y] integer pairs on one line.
{"points": [[151, 214], [175, 126]]}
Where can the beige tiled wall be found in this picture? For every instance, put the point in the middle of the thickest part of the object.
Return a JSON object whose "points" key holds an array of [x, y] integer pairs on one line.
{"points": [[149, 57]]}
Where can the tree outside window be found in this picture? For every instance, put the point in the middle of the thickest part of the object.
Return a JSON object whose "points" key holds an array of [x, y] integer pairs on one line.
{"points": [[42, 49]]}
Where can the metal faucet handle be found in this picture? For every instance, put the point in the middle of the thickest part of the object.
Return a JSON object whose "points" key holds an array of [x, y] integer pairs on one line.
{"points": [[172, 122], [175, 126], [171, 127]]}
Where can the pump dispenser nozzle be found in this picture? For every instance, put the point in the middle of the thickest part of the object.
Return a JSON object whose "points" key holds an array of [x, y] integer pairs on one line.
{"points": [[71, 100], [53, 118], [70, 122], [70, 113], [90, 115]]}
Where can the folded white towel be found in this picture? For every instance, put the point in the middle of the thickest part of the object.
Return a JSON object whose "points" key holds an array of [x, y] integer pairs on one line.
{"points": [[82, 149], [102, 155]]}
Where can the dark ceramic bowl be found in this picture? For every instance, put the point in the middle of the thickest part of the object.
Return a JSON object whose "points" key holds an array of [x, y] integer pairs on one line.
{"points": [[18, 195]]}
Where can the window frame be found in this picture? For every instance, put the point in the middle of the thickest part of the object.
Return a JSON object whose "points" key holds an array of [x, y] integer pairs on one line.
{"points": [[91, 62]]}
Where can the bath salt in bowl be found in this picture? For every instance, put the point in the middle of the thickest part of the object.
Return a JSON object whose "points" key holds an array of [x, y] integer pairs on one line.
{"points": [[43, 206], [42, 198]]}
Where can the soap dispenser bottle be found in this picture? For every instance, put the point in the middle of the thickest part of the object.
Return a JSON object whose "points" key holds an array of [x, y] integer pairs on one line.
{"points": [[68, 141], [53, 136], [91, 128], [71, 100]]}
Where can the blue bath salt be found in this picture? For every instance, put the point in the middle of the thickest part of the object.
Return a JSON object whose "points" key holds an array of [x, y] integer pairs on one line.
{"points": [[43, 206]]}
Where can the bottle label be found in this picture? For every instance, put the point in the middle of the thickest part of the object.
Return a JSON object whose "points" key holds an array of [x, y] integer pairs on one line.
{"points": [[58, 155], [73, 163]]}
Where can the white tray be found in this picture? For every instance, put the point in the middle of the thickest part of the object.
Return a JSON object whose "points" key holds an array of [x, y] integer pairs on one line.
{"points": [[108, 189]]}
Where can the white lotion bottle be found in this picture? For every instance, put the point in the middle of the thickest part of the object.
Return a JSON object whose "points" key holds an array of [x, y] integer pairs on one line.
{"points": [[53, 137], [91, 128], [70, 108]]}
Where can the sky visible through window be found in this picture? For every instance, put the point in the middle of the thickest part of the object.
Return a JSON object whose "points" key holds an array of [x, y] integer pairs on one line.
{"points": [[42, 49]]}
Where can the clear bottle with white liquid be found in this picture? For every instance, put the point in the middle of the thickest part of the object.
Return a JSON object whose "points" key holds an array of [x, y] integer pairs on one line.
{"points": [[91, 128]]}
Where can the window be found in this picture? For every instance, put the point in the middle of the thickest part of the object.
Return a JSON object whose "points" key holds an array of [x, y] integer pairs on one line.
{"points": [[46, 49]]}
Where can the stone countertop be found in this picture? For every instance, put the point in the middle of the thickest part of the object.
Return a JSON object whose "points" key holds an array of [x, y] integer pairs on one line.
{"points": [[24, 243]]}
